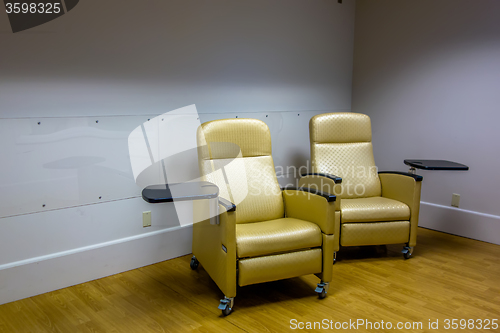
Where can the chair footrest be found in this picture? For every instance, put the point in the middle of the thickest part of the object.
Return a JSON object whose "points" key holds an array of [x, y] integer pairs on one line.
{"points": [[374, 233], [279, 266]]}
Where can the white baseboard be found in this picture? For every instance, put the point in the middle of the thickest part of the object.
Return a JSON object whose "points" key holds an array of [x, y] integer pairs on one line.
{"points": [[461, 222], [43, 274]]}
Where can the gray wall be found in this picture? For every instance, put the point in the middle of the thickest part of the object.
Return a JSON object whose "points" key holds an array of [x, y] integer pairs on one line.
{"points": [[118, 57], [69, 208], [428, 74]]}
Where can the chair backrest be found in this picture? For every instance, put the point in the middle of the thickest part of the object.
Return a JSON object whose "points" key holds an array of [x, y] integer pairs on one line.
{"points": [[341, 144], [245, 176]]}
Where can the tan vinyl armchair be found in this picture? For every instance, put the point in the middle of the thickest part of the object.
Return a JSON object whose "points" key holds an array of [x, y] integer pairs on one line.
{"points": [[373, 208], [270, 234]]}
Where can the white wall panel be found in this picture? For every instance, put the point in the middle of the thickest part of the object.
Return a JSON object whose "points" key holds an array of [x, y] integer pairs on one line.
{"points": [[53, 163], [66, 162], [291, 148]]}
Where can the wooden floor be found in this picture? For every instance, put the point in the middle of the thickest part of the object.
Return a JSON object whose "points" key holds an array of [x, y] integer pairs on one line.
{"points": [[448, 277]]}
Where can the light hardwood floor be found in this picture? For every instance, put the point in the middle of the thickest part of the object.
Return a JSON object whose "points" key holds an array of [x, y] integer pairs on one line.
{"points": [[449, 277]]}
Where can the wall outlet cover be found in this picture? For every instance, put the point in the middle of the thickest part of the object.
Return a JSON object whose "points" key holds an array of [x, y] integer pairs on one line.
{"points": [[146, 219], [455, 200]]}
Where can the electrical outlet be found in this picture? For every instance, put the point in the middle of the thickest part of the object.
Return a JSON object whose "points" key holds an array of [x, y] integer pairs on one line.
{"points": [[146, 219], [455, 200]]}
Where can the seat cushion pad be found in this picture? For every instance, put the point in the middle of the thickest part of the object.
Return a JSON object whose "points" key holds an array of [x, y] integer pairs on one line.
{"points": [[373, 209], [275, 236]]}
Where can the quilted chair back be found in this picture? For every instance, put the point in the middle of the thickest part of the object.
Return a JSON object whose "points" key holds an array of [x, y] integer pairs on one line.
{"points": [[235, 154], [341, 144]]}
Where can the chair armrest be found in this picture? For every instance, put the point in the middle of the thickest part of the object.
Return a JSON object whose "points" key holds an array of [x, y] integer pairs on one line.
{"points": [[329, 197], [228, 205], [405, 188], [324, 183], [307, 205], [418, 178]]}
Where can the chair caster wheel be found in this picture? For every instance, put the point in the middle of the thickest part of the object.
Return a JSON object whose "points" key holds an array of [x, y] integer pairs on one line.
{"points": [[194, 263], [226, 305], [227, 311], [407, 252], [322, 289]]}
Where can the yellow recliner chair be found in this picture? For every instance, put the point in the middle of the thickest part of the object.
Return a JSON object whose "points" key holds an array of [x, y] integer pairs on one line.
{"points": [[373, 208], [271, 234]]}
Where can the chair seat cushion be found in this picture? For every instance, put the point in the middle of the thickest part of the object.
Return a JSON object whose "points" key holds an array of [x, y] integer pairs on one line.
{"points": [[373, 209], [274, 236]]}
